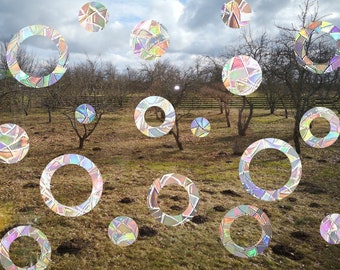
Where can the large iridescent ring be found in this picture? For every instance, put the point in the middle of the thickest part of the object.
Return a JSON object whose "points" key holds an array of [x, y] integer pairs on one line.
{"points": [[270, 195], [71, 211]]}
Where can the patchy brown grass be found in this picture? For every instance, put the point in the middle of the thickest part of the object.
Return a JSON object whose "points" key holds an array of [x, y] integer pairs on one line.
{"points": [[129, 162]]}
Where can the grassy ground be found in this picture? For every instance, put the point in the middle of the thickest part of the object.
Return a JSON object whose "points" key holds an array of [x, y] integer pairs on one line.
{"points": [[129, 162]]}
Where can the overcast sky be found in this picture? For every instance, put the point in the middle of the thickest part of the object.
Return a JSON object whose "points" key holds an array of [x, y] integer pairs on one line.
{"points": [[195, 26]]}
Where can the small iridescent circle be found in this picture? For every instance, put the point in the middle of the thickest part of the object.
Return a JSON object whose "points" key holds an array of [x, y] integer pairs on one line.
{"points": [[304, 36], [236, 13], [165, 127], [45, 185], [123, 231], [200, 127], [330, 229], [14, 143], [270, 195], [85, 114], [242, 75], [307, 135], [13, 51], [149, 39], [231, 246], [175, 179], [93, 16], [29, 231]]}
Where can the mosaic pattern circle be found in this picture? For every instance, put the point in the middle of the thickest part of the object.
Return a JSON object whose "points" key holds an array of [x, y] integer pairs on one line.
{"points": [[236, 13], [149, 39], [123, 231], [45, 185], [242, 75], [85, 114], [200, 127], [13, 50], [14, 143], [165, 127], [175, 179], [231, 246], [330, 229], [306, 133], [29, 231], [300, 51], [93, 16], [270, 195]]}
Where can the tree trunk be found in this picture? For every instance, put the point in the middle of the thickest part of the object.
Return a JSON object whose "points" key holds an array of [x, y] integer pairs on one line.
{"points": [[227, 114], [49, 115], [243, 126], [81, 142]]}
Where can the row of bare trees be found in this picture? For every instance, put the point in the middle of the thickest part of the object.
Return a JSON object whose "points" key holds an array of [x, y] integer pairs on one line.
{"points": [[104, 86]]}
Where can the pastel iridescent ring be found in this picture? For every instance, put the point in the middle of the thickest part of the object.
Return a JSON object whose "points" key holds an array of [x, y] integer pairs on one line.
{"points": [[13, 50], [231, 246], [14, 143], [71, 211], [330, 229], [29, 231], [307, 135], [304, 36], [165, 127], [270, 195], [175, 179]]}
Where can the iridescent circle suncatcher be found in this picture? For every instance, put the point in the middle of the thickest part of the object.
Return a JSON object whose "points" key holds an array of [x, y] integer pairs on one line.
{"points": [[304, 36], [29, 231], [85, 114], [270, 195], [165, 127], [330, 229], [71, 211], [225, 235], [13, 51], [93, 16], [175, 179], [306, 133], [149, 39], [236, 13], [200, 127], [242, 75], [123, 231]]}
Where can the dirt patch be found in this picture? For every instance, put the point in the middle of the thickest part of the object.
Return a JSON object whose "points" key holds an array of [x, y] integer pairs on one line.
{"points": [[73, 246], [219, 208], [300, 235], [230, 192], [126, 200], [199, 219], [146, 231], [31, 185], [288, 252]]}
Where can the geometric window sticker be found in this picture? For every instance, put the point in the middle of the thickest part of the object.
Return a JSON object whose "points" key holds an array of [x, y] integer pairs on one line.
{"points": [[173, 179], [286, 189], [45, 185], [330, 229], [200, 127], [29, 231], [13, 51], [14, 143], [242, 75], [149, 39], [231, 246], [304, 36], [236, 13], [165, 127], [306, 133], [93, 16], [123, 231], [85, 114]]}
